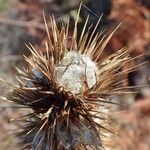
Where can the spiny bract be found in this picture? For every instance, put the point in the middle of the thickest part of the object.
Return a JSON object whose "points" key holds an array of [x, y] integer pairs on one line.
{"points": [[65, 88]]}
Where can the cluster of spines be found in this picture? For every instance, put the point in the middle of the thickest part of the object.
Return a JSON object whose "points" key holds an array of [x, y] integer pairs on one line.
{"points": [[58, 112]]}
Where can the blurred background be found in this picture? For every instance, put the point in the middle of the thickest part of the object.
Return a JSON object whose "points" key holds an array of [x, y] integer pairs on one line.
{"points": [[21, 21]]}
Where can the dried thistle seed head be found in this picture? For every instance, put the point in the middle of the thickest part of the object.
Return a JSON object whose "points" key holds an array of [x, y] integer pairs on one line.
{"points": [[65, 89]]}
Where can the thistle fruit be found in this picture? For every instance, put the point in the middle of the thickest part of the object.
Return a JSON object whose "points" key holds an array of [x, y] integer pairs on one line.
{"points": [[65, 88]]}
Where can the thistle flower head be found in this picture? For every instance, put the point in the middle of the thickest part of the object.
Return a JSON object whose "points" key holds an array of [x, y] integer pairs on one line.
{"points": [[65, 87]]}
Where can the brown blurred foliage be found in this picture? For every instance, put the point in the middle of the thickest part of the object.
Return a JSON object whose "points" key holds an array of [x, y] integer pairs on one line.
{"points": [[135, 126], [135, 30]]}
